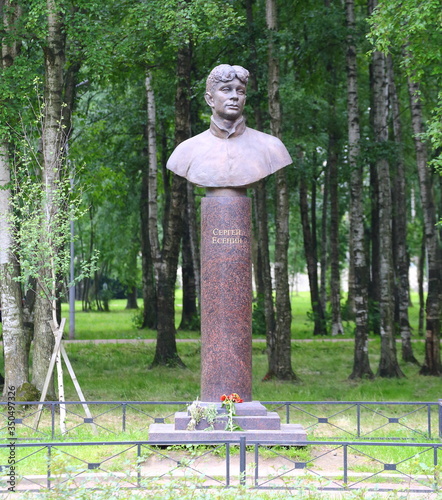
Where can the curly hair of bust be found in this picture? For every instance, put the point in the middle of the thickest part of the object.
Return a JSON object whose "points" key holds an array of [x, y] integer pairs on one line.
{"points": [[226, 73]]}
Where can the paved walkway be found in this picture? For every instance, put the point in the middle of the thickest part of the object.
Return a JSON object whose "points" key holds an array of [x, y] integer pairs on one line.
{"points": [[151, 341], [257, 341]]}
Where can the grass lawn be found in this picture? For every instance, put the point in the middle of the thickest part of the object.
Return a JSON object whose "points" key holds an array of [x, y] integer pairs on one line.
{"points": [[121, 372], [119, 323]]}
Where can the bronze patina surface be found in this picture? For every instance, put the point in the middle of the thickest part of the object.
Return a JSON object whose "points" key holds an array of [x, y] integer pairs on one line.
{"points": [[229, 154]]}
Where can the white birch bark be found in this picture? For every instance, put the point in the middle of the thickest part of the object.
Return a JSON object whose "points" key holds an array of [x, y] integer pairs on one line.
{"points": [[388, 365], [400, 254], [15, 342], [432, 364], [52, 145], [153, 173], [15, 338], [359, 292], [282, 368]]}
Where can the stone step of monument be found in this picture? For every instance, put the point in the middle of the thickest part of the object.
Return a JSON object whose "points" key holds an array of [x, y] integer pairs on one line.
{"points": [[288, 434], [270, 421], [248, 408]]}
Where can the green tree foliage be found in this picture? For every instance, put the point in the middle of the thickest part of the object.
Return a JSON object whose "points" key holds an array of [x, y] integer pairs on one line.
{"points": [[413, 29]]}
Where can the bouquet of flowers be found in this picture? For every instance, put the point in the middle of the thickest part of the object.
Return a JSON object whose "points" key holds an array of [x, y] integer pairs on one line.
{"points": [[228, 402]]}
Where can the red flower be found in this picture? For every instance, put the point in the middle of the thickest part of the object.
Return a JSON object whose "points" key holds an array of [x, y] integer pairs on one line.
{"points": [[234, 397]]}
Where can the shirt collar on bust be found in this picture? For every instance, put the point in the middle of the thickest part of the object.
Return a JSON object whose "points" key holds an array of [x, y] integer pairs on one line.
{"points": [[217, 129]]}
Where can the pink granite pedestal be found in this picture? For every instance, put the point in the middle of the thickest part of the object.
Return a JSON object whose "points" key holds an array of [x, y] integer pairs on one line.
{"points": [[226, 329], [226, 295]]}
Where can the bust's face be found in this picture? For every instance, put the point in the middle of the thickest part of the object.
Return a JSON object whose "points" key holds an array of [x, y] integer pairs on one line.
{"points": [[227, 99]]}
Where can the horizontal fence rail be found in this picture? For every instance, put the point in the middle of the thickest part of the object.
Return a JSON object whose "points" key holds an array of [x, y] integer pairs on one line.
{"points": [[321, 419], [311, 465]]}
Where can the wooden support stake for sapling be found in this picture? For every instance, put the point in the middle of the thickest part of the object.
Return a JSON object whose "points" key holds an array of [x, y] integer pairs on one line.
{"points": [[61, 397], [58, 337], [77, 387], [59, 354]]}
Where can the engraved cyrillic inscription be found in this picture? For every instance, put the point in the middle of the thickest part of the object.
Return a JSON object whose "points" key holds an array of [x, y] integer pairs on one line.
{"points": [[228, 236]]}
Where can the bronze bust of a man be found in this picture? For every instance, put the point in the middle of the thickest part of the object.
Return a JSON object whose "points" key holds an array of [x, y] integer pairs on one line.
{"points": [[229, 154]]}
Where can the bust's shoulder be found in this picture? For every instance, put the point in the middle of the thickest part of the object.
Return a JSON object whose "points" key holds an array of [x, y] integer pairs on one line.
{"points": [[270, 147], [184, 153], [193, 141], [263, 137]]}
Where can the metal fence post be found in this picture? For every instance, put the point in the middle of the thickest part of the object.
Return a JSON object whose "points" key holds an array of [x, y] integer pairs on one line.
{"points": [[48, 480], [227, 464], [242, 460], [358, 419], [124, 417], [429, 419], [138, 465], [440, 418], [53, 420], [345, 465]]}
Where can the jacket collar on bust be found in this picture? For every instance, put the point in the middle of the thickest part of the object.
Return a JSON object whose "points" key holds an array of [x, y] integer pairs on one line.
{"points": [[217, 129]]}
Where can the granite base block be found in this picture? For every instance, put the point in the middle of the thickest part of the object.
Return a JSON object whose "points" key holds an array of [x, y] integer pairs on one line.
{"points": [[288, 434], [256, 423], [248, 408], [271, 421]]}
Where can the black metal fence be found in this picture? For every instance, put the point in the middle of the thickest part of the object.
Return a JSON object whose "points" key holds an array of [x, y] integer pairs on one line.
{"points": [[321, 419], [313, 465], [378, 446]]}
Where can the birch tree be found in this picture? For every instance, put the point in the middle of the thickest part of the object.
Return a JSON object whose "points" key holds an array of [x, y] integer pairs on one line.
{"points": [[359, 292], [400, 253], [16, 338], [280, 350], [432, 364], [165, 257], [16, 341], [388, 365], [53, 141], [413, 28]]}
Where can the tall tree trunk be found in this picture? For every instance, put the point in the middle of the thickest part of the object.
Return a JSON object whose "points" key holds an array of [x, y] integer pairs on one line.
{"points": [[333, 185], [190, 318], [132, 295], [263, 271], [312, 261], [166, 261], [148, 282], [194, 239], [147, 272], [16, 338], [324, 239], [388, 365], [361, 363], [420, 284], [400, 253], [282, 369], [166, 352], [432, 364], [53, 140], [335, 278], [374, 290]]}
